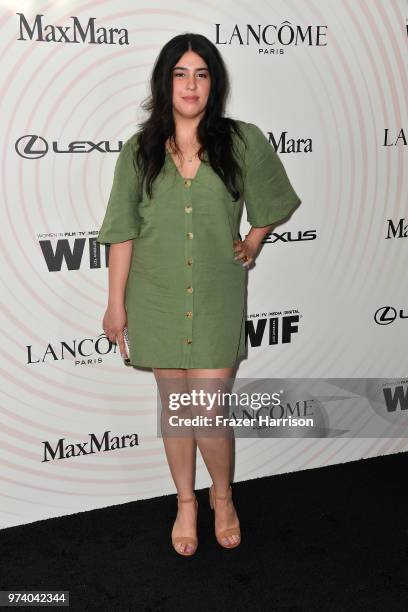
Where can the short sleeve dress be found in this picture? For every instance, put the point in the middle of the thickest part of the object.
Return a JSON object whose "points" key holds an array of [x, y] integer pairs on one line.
{"points": [[186, 294]]}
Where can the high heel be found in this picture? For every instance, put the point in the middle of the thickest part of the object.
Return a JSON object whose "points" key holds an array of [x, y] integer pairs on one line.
{"points": [[231, 531], [188, 540]]}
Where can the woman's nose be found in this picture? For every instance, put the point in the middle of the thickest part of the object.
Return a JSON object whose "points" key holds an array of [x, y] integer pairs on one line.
{"points": [[191, 83]]}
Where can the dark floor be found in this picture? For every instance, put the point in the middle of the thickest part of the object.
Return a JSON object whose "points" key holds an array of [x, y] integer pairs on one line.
{"points": [[332, 538]]}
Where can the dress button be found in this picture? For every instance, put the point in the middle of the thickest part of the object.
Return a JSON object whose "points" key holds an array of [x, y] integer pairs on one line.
{"points": [[190, 235], [189, 289], [189, 314], [189, 262], [188, 340], [188, 209], [187, 182]]}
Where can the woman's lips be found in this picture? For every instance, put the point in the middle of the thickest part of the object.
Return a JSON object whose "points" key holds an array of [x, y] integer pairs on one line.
{"points": [[191, 98]]}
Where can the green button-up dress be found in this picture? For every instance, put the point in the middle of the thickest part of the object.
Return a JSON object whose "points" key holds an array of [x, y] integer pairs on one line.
{"points": [[186, 294]]}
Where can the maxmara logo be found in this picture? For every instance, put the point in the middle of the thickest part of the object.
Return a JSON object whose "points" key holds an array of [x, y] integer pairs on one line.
{"points": [[290, 145], [271, 35], [397, 230], [90, 447], [78, 33]]}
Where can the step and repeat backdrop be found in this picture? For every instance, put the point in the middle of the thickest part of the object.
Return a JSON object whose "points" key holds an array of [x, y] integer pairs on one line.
{"points": [[327, 84]]}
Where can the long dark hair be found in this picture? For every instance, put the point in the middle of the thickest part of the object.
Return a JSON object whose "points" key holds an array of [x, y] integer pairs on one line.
{"points": [[215, 132]]}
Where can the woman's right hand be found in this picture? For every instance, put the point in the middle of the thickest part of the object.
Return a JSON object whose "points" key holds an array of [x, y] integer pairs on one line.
{"points": [[114, 322]]}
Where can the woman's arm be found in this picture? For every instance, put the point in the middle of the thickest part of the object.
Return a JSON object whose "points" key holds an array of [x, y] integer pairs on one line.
{"points": [[249, 247], [115, 319], [257, 234], [120, 255]]}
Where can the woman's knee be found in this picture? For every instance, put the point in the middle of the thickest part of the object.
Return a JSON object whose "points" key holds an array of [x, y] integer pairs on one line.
{"points": [[170, 372]]}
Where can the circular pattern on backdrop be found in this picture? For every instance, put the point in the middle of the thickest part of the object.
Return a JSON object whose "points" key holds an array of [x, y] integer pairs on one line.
{"points": [[341, 96]]}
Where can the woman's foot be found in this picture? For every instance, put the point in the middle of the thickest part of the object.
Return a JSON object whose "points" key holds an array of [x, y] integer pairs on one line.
{"points": [[227, 528], [184, 533]]}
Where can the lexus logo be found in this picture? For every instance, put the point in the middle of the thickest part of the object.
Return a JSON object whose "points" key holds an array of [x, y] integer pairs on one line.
{"points": [[387, 314], [33, 146]]}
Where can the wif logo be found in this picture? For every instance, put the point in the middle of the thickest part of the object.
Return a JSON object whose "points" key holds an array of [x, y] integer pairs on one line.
{"points": [[396, 398], [389, 399], [272, 328], [68, 252]]}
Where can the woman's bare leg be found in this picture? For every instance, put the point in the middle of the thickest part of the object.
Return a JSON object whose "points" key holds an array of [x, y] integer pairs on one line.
{"points": [[180, 453], [216, 450]]}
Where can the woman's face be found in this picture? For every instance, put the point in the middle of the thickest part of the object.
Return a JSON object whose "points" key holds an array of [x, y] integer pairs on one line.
{"points": [[191, 85]]}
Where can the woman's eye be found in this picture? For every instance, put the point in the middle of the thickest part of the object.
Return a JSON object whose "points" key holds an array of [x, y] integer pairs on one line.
{"points": [[200, 74]]}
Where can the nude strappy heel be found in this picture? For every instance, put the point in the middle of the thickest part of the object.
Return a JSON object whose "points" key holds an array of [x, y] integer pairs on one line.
{"points": [[185, 539], [225, 532]]}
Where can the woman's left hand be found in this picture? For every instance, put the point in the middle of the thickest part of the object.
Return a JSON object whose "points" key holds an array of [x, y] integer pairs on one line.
{"points": [[245, 252]]}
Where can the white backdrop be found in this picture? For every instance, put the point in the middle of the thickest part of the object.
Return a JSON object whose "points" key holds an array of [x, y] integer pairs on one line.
{"points": [[337, 96]]}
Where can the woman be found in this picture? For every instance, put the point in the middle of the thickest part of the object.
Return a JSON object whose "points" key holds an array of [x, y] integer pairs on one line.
{"points": [[177, 264]]}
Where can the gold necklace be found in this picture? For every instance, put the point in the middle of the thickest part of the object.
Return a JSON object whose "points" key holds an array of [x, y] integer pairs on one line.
{"points": [[189, 160]]}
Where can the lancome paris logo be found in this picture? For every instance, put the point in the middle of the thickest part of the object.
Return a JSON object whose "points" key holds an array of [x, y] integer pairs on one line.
{"points": [[105, 443], [271, 38], [76, 32], [394, 138], [34, 146], [270, 328], [68, 250], [83, 351]]}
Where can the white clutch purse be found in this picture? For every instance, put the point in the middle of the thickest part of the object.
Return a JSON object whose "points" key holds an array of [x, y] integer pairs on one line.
{"points": [[126, 360]]}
